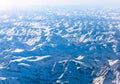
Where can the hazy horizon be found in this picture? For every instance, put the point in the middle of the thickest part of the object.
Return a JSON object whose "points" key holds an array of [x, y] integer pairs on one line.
{"points": [[12, 4]]}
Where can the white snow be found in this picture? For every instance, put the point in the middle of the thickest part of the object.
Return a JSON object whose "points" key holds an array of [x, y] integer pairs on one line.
{"points": [[32, 41], [35, 25], [63, 61], [58, 81], [38, 18], [10, 38], [23, 64], [1, 67], [20, 17], [114, 48], [19, 59], [79, 62], [78, 67], [118, 26], [38, 58], [80, 57], [99, 80], [18, 50], [4, 16], [38, 46], [66, 24], [112, 62], [82, 38], [66, 35], [53, 67], [71, 29], [3, 78], [117, 80], [35, 58], [87, 40], [61, 76]]}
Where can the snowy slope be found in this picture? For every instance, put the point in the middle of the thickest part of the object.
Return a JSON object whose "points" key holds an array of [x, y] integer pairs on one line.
{"points": [[60, 46]]}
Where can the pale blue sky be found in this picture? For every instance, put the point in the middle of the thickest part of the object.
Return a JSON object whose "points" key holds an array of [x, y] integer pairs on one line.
{"points": [[24, 3], [70, 2]]}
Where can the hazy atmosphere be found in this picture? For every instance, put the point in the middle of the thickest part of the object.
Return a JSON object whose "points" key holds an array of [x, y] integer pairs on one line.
{"points": [[10, 4], [59, 42]]}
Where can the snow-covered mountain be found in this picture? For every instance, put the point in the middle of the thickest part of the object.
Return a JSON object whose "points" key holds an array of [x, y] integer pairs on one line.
{"points": [[60, 46]]}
